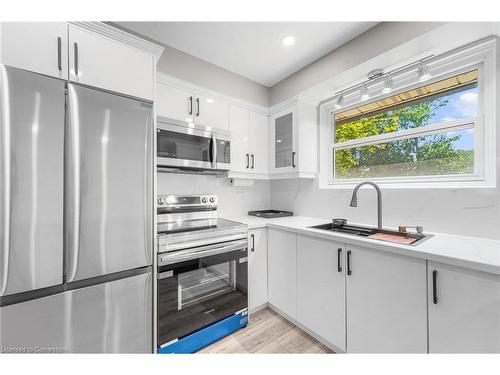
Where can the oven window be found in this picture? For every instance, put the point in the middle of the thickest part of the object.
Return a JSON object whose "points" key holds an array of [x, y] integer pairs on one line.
{"points": [[204, 283], [182, 146]]}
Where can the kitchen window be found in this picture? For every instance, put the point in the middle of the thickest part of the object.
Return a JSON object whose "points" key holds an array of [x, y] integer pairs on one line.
{"points": [[426, 131], [437, 132]]}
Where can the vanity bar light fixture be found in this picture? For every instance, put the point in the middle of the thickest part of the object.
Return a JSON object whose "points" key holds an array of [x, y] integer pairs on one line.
{"points": [[377, 75]]}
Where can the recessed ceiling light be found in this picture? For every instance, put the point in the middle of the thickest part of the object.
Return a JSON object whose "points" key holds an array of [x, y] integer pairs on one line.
{"points": [[288, 40]]}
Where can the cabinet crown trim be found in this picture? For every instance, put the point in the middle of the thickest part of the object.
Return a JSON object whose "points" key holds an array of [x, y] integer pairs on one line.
{"points": [[121, 36]]}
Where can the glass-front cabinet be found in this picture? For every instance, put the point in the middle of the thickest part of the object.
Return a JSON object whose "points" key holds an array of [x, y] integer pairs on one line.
{"points": [[293, 135], [284, 155]]}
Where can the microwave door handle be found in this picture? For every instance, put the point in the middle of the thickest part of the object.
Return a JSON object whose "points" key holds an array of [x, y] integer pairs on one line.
{"points": [[210, 250], [214, 151]]}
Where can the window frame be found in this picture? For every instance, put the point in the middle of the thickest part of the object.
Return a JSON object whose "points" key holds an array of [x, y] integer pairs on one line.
{"points": [[484, 124]]}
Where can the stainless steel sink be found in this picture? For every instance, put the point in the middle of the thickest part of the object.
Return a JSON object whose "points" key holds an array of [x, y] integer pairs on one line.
{"points": [[363, 231]]}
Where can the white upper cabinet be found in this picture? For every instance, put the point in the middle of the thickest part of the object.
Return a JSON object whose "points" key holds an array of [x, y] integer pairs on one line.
{"points": [[98, 61], [321, 288], [238, 124], [257, 268], [211, 112], [258, 136], [464, 310], [40, 47], [386, 302], [174, 103], [282, 271], [249, 147], [293, 142], [187, 105]]}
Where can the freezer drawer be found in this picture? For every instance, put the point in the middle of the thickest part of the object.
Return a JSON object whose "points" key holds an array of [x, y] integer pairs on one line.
{"points": [[31, 180], [113, 317]]}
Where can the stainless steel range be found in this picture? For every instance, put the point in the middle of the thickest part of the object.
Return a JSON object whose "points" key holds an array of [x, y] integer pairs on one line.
{"points": [[202, 271]]}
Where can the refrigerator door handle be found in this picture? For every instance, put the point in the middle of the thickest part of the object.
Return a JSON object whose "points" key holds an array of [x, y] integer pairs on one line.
{"points": [[73, 186], [5, 178]]}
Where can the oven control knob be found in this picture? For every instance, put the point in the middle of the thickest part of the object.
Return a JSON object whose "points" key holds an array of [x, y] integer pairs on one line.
{"points": [[204, 200], [212, 200], [161, 201]]}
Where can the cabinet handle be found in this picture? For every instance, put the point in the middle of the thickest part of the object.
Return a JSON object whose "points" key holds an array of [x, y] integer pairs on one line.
{"points": [[190, 105], [253, 242], [248, 160], [434, 287], [339, 265], [59, 56], [253, 161], [198, 107], [75, 49], [349, 272], [293, 159]]}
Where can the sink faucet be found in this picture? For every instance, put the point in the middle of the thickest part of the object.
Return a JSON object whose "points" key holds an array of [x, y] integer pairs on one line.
{"points": [[354, 199]]}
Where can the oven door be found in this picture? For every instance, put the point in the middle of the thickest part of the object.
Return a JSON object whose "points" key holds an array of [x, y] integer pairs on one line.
{"points": [[199, 287], [187, 147]]}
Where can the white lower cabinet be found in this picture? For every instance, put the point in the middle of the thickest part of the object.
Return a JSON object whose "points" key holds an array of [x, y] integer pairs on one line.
{"points": [[386, 302], [321, 288], [282, 271], [257, 268], [464, 310]]}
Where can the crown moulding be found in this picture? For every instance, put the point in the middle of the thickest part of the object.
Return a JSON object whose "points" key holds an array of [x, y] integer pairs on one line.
{"points": [[121, 36]]}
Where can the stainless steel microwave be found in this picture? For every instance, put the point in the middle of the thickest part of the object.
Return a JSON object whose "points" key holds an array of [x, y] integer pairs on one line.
{"points": [[186, 146]]}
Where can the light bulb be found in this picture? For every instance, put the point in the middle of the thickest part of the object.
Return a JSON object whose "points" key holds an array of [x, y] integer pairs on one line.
{"points": [[364, 93], [388, 85]]}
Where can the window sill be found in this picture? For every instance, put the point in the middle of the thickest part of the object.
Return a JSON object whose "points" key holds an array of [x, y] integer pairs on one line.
{"points": [[471, 183]]}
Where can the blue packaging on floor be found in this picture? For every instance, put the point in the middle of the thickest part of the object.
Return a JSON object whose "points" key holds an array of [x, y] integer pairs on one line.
{"points": [[206, 336]]}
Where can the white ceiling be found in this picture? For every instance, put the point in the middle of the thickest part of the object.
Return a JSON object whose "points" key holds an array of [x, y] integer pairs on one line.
{"points": [[253, 49]]}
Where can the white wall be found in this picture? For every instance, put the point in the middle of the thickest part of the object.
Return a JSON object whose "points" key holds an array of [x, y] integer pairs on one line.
{"points": [[468, 212], [201, 73], [233, 201]]}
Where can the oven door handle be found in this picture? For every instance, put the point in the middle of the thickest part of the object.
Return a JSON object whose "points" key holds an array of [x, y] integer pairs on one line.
{"points": [[201, 252]]}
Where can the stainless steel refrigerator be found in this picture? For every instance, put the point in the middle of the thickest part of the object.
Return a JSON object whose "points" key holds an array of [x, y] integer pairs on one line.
{"points": [[75, 217]]}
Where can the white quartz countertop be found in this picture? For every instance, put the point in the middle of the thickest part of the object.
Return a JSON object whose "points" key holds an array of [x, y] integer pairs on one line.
{"points": [[470, 252]]}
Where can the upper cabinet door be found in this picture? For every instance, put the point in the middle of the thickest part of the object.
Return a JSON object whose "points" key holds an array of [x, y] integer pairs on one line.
{"points": [[175, 103], [258, 135], [97, 61], [238, 124], [284, 154], [40, 47], [464, 310], [211, 112]]}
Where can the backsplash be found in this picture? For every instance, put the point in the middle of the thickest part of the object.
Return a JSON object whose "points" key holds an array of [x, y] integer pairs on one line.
{"points": [[467, 212], [233, 201]]}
